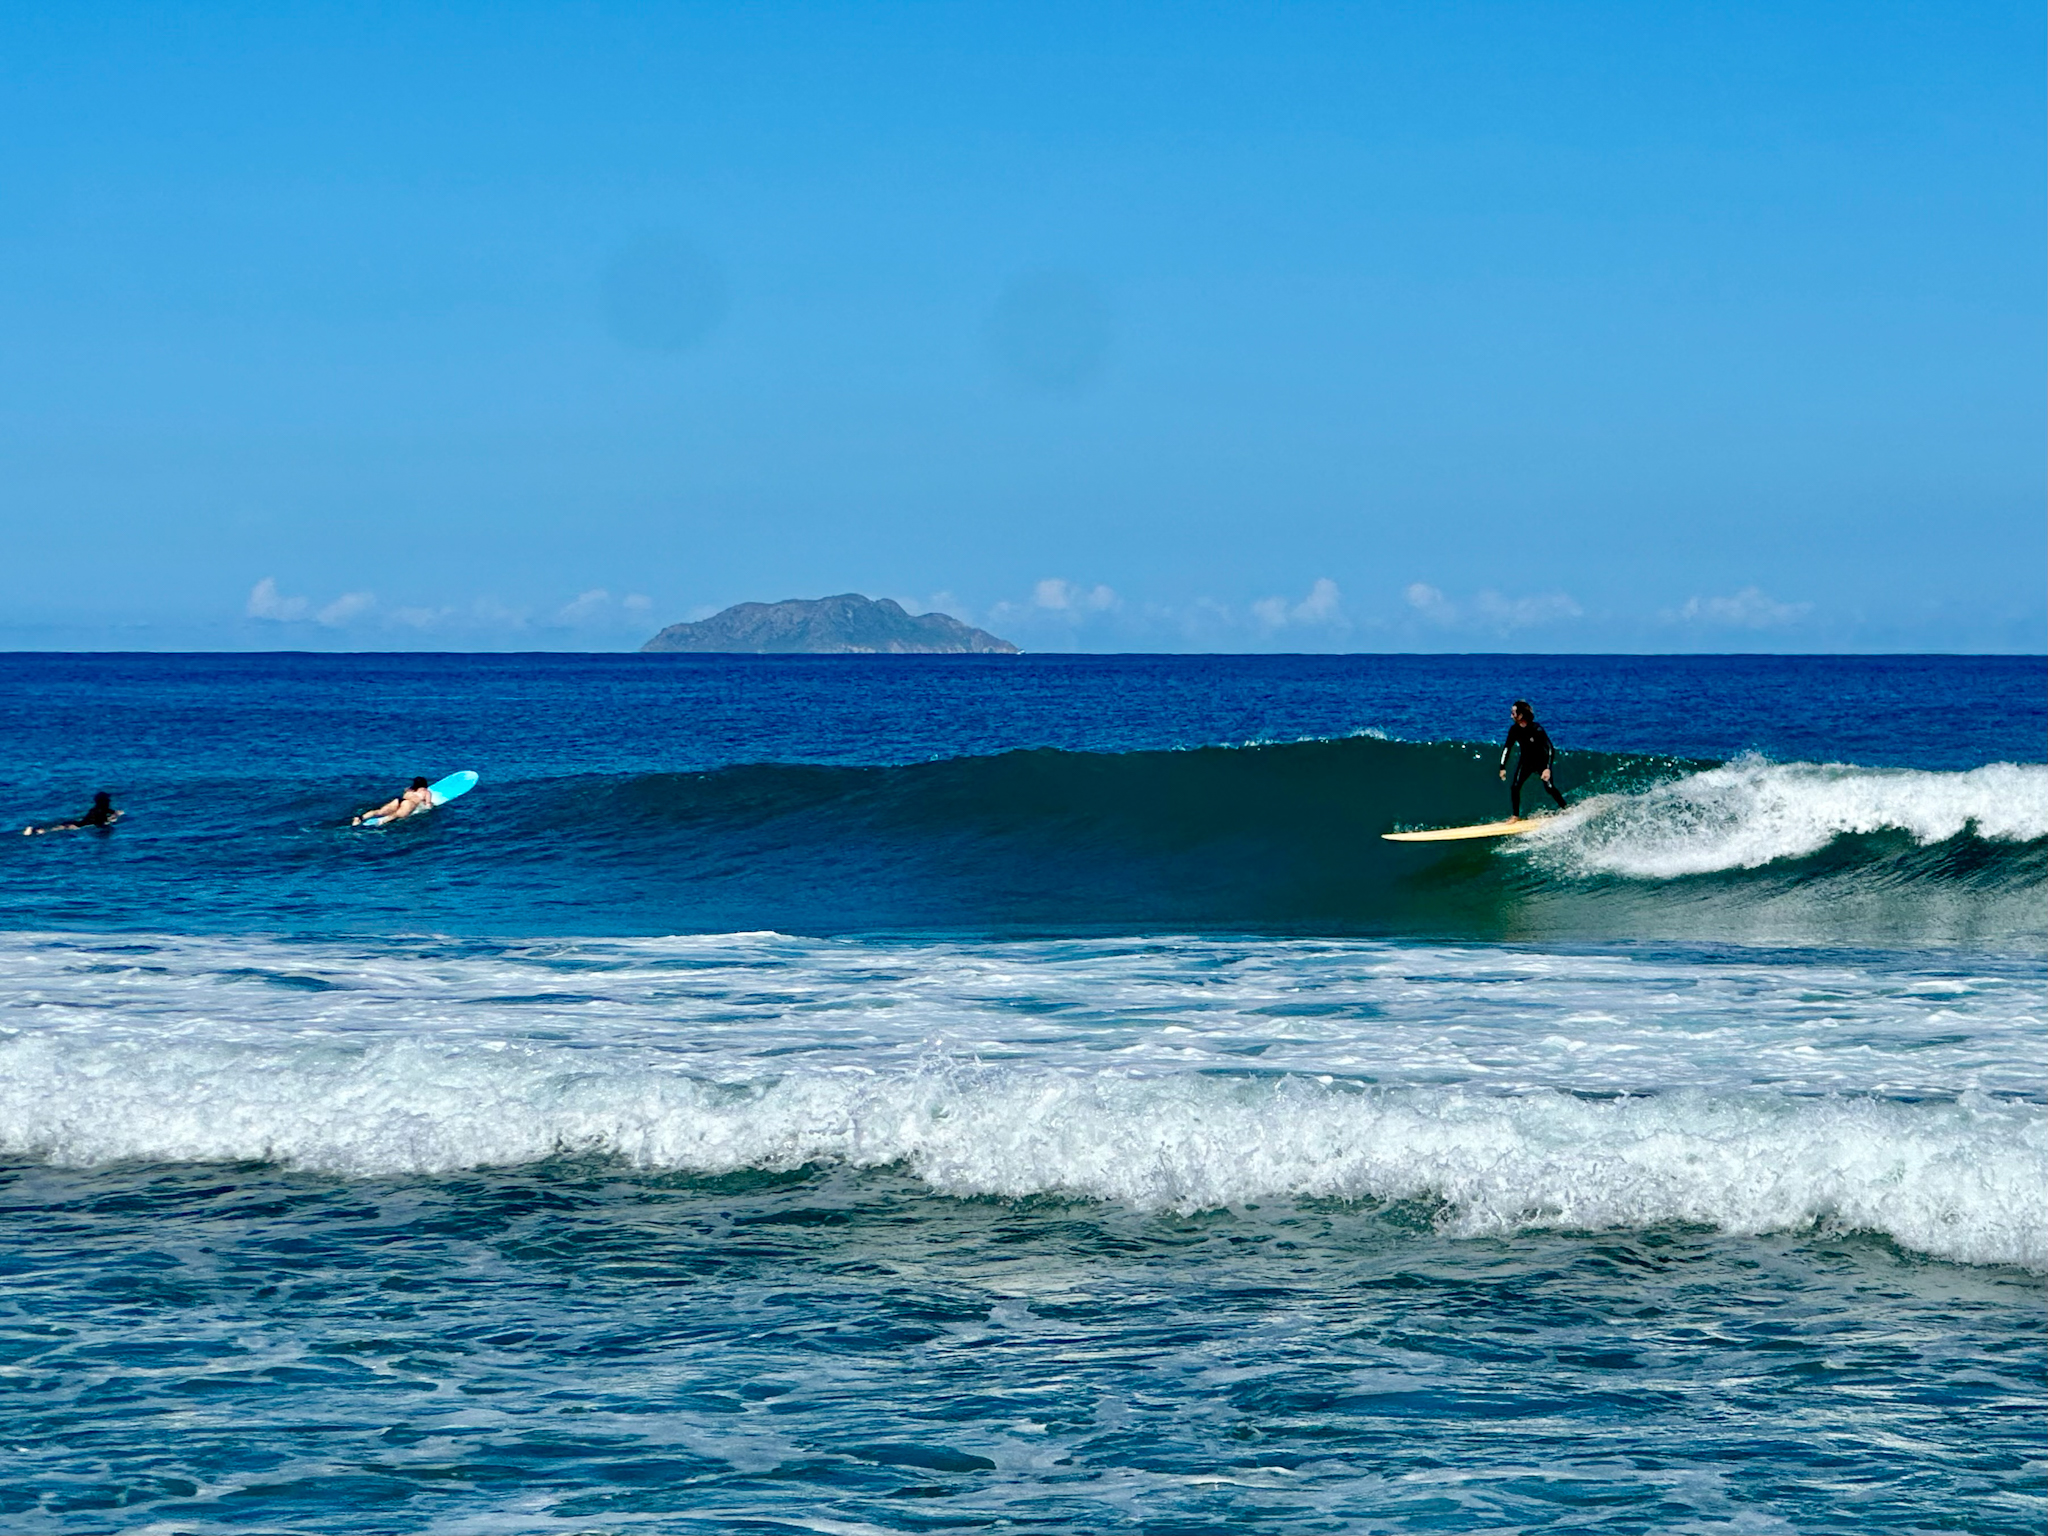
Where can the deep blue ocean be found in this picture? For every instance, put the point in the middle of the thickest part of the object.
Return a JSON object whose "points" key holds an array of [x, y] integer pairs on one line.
{"points": [[839, 1094]]}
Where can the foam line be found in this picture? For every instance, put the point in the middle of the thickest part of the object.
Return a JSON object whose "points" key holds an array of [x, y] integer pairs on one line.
{"points": [[1965, 1179]]}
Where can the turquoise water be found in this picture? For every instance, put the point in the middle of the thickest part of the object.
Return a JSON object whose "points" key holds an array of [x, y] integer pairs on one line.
{"points": [[795, 1097]]}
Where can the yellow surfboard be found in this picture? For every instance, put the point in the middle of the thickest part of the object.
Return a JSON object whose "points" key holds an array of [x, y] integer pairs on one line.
{"points": [[1459, 834]]}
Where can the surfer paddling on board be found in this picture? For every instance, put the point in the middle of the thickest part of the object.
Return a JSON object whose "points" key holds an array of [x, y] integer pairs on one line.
{"points": [[102, 815], [1537, 756], [415, 798]]}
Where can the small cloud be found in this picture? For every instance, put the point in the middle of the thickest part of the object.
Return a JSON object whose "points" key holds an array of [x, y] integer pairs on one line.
{"points": [[585, 607], [1324, 606], [1066, 597], [1526, 612], [420, 618], [1430, 602], [346, 607], [266, 603], [492, 614], [1748, 609], [1490, 609], [636, 602]]}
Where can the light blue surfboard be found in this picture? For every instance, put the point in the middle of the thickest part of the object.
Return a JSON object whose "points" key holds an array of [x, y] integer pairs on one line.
{"points": [[442, 792]]}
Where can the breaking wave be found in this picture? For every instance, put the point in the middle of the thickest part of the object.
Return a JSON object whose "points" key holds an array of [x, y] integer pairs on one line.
{"points": [[1271, 838], [1752, 813], [1965, 1179]]}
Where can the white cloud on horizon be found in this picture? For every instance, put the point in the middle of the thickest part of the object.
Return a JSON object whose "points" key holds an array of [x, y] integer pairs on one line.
{"points": [[1490, 609], [1750, 608], [265, 603], [1061, 614], [1528, 612], [1323, 607], [345, 607], [585, 607], [273, 607], [1060, 596], [593, 608], [1055, 605], [1430, 602], [420, 618]]}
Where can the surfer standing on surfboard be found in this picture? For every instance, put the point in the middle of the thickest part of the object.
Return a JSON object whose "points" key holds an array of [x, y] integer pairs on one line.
{"points": [[1537, 756]]}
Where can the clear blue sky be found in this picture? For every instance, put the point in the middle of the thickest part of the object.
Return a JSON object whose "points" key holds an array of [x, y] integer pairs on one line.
{"points": [[1239, 327]]}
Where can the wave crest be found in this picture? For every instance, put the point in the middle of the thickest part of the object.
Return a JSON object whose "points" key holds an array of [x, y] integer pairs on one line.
{"points": [[1751, 812], [1962, 1179]]}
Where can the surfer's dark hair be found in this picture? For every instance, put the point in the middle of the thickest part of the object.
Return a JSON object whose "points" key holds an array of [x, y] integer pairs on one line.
{"points": [[1522, 708], [419, 784], [102, 798]]}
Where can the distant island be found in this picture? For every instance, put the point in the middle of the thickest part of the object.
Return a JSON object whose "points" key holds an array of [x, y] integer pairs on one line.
{"points": [[848, 624]]}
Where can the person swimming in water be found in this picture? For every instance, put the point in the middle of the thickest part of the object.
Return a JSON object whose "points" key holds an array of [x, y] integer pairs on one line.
{"points": [[102, 815], [414, 798], [1538, 756]]}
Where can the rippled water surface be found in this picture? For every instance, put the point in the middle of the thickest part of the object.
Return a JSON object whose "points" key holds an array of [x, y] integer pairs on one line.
{"points": [[896, 1099], [579, 1346]]}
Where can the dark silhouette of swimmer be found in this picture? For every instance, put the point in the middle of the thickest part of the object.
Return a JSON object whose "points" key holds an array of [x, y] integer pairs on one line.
{"points": [[102, 815], [415, 798], [1537, 756]]}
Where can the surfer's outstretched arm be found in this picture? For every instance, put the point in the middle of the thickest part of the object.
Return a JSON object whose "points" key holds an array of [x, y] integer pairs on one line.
{"points": [[100, 814], [414, 798]]}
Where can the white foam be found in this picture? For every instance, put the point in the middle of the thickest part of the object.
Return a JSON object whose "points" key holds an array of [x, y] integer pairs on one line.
{"points": [[1964, 1180], [1751, 812], [1520, 1086], [738, 1005]]}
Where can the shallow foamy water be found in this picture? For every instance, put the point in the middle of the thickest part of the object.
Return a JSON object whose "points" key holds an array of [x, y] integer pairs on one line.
{"points": [[1094, 1234]]}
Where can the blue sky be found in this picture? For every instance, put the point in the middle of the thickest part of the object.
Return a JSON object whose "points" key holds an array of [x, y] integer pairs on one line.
{"points": [[1212, 327]]}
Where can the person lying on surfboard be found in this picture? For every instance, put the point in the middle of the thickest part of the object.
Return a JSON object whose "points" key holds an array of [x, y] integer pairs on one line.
{"points": [[1537, 756], [415, 798], [102, 815]]}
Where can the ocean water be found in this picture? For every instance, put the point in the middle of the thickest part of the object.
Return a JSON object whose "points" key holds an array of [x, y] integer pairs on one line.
{"points": [[907, 1094]]}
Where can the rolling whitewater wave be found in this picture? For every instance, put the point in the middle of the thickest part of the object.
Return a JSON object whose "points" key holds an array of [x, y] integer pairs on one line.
{"points": [[1962, 1180], [1491, 1090]]}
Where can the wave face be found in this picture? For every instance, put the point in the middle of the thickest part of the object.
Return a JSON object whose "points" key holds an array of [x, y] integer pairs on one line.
{"points": [[1507, 1092], [1265, 838]]}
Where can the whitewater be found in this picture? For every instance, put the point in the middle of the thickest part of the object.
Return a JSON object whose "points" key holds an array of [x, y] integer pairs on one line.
{"points": [[1753, 812], [1515, 1089]]}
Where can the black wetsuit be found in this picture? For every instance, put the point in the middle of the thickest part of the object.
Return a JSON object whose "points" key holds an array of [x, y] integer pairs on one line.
{"points": [[1537, 755], [101, 815]]}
